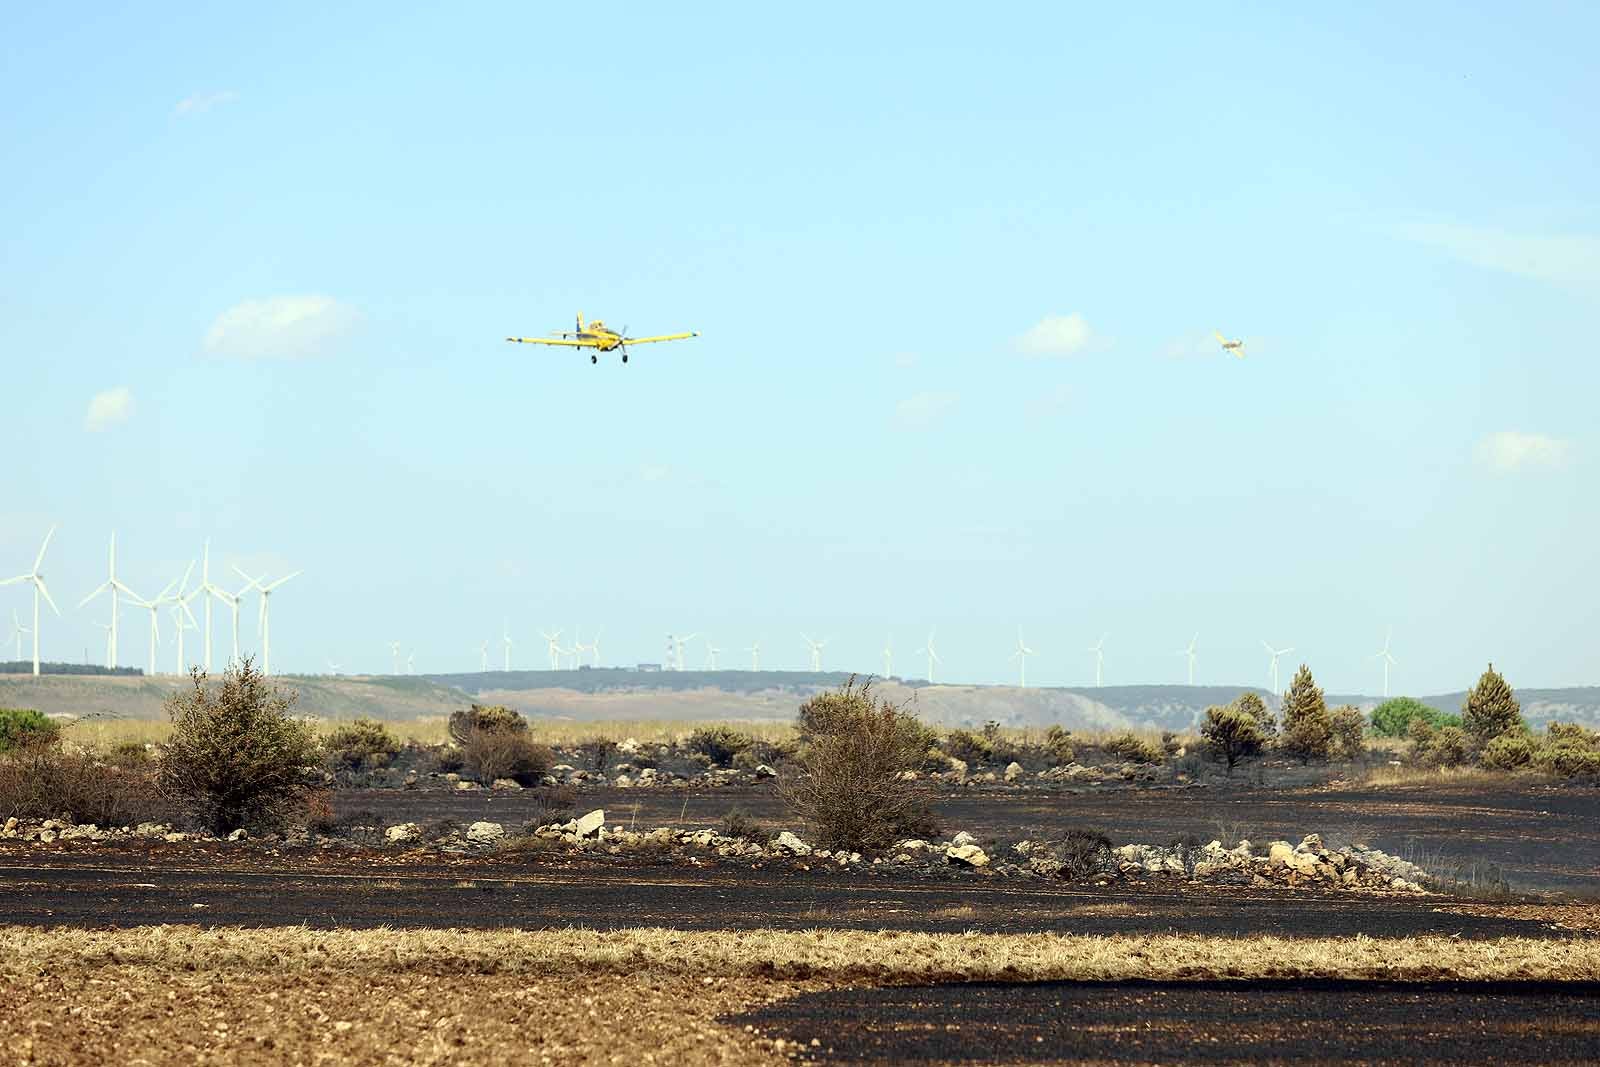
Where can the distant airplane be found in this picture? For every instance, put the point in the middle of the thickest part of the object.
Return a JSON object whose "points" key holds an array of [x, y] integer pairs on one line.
{"points": [[1235, 348], [598, 336]]}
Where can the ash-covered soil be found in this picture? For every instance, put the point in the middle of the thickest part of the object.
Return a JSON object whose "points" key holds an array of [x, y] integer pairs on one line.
{"points": [[248, 884], [1535, 835], [1323, 1023]]}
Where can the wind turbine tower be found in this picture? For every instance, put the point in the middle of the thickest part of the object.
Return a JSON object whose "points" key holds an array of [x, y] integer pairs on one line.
{"points": [[1383, 654], [233, 600], [816, 651], [932, 656], [678, 645], [264, 619], [483, 658], [553, 645], [888, 655], [182, 618], [1021, 656], [712, 651], [505, 639], [1099, 650], [755, 657], [115, 587], [1275, 653], [1189, 654], [36, 578]]}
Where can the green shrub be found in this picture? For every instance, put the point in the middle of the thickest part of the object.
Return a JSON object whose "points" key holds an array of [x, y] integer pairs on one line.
{"points": [[1349, 728], [969, 747], [1231, 734], [1393, 717], [719, 744], [1252, 704], [484, 717], [236, 756], [1508, 752], [848, 781], [1058, 743], [1307, 725], [362, 745], [24, 726], [1449, 746], [1569, 751], [1133, 748], [1491, 708]]}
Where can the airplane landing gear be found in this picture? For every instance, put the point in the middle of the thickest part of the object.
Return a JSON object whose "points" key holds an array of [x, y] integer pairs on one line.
{"points": [[624, 357], [593, 358]]}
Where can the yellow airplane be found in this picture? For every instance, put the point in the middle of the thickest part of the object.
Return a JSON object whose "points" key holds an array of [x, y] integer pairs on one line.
{"points": [[598, 336], [1234, 348]]}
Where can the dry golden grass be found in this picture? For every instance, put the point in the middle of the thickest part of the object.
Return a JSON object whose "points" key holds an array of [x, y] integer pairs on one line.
{"points": [[1431, 776], [833, 954]]}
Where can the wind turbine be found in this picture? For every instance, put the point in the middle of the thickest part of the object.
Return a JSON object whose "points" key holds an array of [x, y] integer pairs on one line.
{"points": [[394, 655], [712, 651], [594, 648], [1383, 654], [411, 661], [505, 640], [233, 600], [333, 667], [575, 651], [17, 630], [755, 657], [107, 628], [816, 651], [154, 607], [1275, 653], [182, 618], [1189, 652], [483, 658], [932, 656], [39, 589], [115, 587], [679, 644], [554, 647], [1099, 650], [264, 619], [888, 655], [1021, 656]]}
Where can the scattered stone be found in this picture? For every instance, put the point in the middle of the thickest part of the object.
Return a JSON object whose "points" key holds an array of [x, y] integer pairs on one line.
{"points": [[506, 785], [792, 844], [485, 833], [239, 835], [963, 838], [1014, 771], [966, 856], [467, 787], [763, 771], [958, 767], [590, 824], [400, 833]]}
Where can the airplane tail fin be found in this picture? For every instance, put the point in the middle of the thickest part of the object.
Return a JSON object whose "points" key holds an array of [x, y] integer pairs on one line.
{"points": [[580, 322]]}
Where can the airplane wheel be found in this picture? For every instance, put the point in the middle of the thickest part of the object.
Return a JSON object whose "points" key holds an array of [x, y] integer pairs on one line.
{"points": [[594, 359], [624, 357]]}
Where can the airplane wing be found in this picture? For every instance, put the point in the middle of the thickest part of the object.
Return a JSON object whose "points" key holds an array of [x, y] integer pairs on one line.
{"points": [[1221, 340], [663, 337], [550, 341]]}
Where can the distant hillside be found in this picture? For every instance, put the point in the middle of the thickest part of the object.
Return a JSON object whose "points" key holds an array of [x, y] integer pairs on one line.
{"points": [[748, 695]]}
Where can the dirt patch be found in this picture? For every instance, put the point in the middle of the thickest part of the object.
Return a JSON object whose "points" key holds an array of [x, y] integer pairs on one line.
{"points": [[135, 1015]]}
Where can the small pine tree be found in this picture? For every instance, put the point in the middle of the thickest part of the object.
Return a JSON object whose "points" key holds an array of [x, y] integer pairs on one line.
{"points": [[1232, 734], [1491, 709], [1253, 706], [1307, 725]]}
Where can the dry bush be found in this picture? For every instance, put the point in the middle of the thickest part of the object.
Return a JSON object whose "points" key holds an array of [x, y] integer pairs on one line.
{"points": [[848, 781], [1508, 752], [1058, 743], [1349, 729], [1231, 734], [362, 745], [719, 744], [598, 753], [968, 747], [1133, 748], [1307, 725], [236, 756], [736, 822], [492, 754], [493, 717], [551, 804], [41, 781], [1082, 853]]}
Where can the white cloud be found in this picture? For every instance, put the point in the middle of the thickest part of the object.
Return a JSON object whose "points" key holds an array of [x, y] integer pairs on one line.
{"points": [[1508, 451], [1055, 335], [905, 360], [199, 103], [108, 408], [279, 327], [1558, 258], [923, 410]]}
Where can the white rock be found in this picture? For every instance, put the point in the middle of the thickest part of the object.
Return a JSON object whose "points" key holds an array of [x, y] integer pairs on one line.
{"points": [[402, 832], [790, 843], [622, 781], [763, 771], [967, 856], [958, 767], [628, 747], [506, 785], [467, 787], [590, 824], [239, 835], [963, 838], [1014, 771], [484, 833]]}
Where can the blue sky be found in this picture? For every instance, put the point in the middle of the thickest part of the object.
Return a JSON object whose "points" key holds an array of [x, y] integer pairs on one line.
{"points": [[956, 276]]}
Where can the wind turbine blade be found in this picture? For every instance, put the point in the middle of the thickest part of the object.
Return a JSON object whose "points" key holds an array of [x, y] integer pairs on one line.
{"points": [[252, 581], [39, 583], [1268, 647], [39, 559], [20, 578], [103, 587], [273, 585], [187, 571]]}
